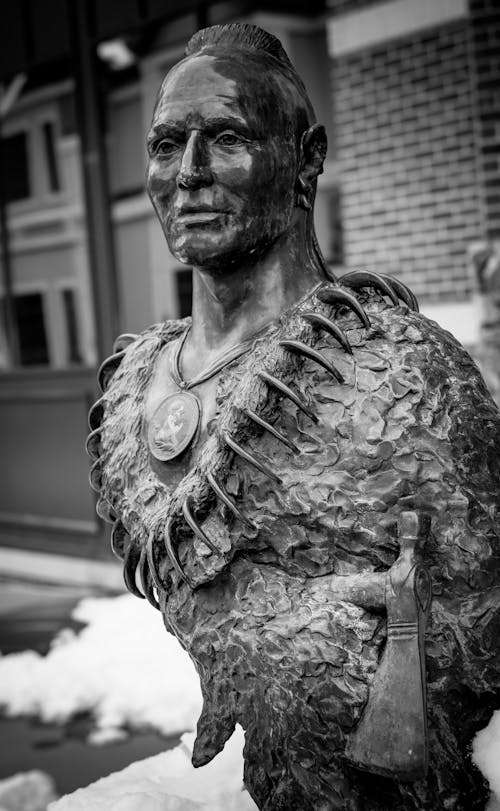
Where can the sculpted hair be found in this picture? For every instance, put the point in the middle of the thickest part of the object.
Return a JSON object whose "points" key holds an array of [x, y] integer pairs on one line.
{"points": [[259, 44], [242, 35]]}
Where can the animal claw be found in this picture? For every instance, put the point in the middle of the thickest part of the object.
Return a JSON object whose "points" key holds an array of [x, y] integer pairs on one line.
{"points": [[271, 429], [93, 443], [107, 369], [105, 511], [96, 414], [336, 296], [171, 554], [221, 493], [188, 515], [304, 202], [123, 341], [322, 322], [365, 278], [95, 476], [146, 581], [300, 348], [249, 457], [404, 292], [118, 538], [132, 558], [150, 552], [287, 392]]}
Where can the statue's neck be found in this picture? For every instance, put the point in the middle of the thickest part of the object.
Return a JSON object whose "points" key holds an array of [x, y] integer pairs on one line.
{"points": [[230, 305]]}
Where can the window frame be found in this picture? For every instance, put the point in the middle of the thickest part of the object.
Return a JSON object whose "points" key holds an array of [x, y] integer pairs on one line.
{"points": [[31, 124]]}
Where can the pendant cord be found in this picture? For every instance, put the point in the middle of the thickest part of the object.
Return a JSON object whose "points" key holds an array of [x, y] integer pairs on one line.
{"points": [[223, 360]]}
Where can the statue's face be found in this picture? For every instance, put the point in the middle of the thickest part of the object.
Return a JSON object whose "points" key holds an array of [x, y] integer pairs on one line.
{"points": [[222, 167]]}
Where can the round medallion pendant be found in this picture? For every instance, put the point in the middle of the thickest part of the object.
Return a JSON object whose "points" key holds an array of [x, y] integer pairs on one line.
{"points": [[174, 425]]}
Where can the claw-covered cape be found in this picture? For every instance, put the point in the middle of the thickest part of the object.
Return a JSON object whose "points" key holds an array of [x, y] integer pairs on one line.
{"points": [[396, 419]]}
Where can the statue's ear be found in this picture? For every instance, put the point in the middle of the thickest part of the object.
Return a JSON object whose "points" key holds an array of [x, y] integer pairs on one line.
{"points": [[313, 146]]}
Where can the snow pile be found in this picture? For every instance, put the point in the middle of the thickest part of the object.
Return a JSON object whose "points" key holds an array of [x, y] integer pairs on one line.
{"points": [[168, 782], [123, 667], [27, 791], [486, 755]]}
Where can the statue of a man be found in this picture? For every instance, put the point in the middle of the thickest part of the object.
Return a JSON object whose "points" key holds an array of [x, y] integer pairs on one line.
{"points": [[304, 476]]}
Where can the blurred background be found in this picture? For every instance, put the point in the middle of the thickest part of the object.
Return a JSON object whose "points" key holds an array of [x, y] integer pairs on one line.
{"points": [[409, 91]]}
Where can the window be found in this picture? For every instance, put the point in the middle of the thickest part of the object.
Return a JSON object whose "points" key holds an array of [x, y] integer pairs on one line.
{"points": [[14, 167], [30, 322], [184, 279], [126, 150]]}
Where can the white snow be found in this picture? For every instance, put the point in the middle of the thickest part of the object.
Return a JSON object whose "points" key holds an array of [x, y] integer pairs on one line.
{"points": [[486, 755], [123, 667], [168, 782], [27, 791]]}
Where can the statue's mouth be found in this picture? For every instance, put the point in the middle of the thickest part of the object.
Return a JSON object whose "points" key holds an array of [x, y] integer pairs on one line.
{"points": [[199, 216]]}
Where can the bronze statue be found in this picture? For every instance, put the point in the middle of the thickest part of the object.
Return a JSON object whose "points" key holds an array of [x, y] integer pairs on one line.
{"points": [[305, 474]]}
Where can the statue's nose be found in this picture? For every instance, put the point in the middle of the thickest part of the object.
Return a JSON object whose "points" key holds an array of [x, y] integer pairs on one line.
{"points": [[194, 170]]}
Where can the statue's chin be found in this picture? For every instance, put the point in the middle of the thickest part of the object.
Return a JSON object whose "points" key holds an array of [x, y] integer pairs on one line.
{"points": [[216, 262], [219, 251]]}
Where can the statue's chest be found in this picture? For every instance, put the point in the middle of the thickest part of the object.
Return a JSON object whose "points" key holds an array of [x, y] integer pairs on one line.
{"points": [[178, 421]]}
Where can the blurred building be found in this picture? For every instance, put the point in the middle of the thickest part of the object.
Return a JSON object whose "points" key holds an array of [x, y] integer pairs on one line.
{"points": [[409, 92], [417, 123]]}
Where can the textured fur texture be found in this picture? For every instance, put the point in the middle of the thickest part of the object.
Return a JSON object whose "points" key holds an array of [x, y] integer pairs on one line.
{"points": [[412, 427]]}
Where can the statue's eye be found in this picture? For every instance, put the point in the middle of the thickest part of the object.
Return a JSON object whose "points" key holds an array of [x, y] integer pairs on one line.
{"points": [[164, 147], [229, 139]]}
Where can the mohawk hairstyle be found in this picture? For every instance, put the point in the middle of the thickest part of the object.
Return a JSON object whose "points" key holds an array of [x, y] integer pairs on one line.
{"points": [[244, 36]]}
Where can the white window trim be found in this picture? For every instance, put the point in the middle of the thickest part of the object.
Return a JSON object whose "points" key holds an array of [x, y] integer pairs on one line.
{"points": [[35, 98], [60, 286]]}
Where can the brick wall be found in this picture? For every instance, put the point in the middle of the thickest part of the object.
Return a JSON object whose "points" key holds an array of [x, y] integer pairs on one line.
{"points": [[406, 144], [485, 21]]}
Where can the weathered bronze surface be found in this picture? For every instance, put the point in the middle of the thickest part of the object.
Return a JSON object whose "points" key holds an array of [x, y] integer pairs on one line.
{"points": [[326, 544]]}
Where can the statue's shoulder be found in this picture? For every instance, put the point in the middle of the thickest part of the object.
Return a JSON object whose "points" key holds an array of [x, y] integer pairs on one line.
{"points": [[420, 354], [408, 391], [134, 352], [410, 424], [383, 341]]}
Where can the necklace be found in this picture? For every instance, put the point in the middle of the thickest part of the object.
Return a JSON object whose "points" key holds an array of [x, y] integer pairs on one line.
{"points": [[176, 421]]}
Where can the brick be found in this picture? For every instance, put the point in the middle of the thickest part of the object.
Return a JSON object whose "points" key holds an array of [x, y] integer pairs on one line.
{"points": [[406, 141]]}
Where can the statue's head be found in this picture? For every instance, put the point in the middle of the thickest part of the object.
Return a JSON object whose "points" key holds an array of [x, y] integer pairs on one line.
{"points": [[234, 152]]}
